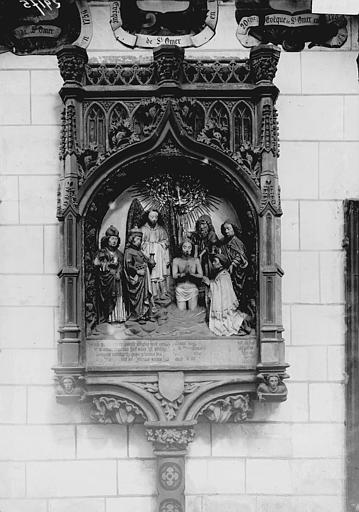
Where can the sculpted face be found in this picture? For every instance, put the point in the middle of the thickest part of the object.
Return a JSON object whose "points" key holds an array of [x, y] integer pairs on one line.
{"points": [[68, 384], [216, 263], [186, 248], [136, 241], [112, 241], [203, 228], [153, 217], [228, 229], [273, 382]]}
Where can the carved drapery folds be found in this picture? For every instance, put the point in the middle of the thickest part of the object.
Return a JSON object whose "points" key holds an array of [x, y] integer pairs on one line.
{"points": [[167, 132]]}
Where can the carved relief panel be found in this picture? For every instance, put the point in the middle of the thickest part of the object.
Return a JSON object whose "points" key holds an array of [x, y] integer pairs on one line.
{"points": [[171, 279]]}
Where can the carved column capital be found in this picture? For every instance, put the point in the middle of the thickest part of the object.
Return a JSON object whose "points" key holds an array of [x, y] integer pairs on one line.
{"points": [[170, 437], [169, 63], [72, 60], [264, 59]]}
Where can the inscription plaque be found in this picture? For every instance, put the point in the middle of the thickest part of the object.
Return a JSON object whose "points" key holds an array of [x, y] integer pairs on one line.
{"points": [[158, 354]]}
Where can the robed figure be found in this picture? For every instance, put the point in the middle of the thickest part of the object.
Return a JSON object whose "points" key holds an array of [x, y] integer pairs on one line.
{"points": [[137, 268], [233, 249], [109, 265], [225, 319], [155, 246]]}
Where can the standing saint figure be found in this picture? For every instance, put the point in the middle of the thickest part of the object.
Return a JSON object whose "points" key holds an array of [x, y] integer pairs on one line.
{"points": [[137, 268], [225, 319], [109, 264], [205, 240], [187, 272], [233, 249], [155, 246]]}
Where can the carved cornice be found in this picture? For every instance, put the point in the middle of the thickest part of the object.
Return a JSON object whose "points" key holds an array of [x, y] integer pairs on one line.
{"points": [[107, 409], [170, 438], [233, 408], [187, 72]]}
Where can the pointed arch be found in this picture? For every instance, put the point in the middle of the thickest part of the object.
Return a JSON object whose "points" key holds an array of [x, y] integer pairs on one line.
{"points": [[243, 122], [96, 127]]}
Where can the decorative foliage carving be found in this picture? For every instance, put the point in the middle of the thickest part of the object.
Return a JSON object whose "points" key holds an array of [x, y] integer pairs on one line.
{"points": [[269, 131], [249, 159], [271, 197], [235, 408], [171, 438], [68, 131], [264, 60], [168, 63], [115, 410], [191, 115], [272, 388], [170, 475], [170, 407], [71, 61], [170, 505]]}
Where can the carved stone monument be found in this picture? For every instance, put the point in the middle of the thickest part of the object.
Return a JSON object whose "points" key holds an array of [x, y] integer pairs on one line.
{"points": [[171, 281]]}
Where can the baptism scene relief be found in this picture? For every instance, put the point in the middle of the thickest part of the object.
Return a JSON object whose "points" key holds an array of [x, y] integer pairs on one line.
{"points": [[172, 258]]}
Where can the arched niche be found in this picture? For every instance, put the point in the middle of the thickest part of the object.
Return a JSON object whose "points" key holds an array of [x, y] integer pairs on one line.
{"points": [[110, 204]]}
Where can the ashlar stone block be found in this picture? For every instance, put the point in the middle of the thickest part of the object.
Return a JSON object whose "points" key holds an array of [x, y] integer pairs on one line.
{"points": [[136, 477], [268, 477], [309, 113], [29, 442], [21, 250], [77, 505], [251, 440], [12, 404], [12, 479], [326, 402], [337, 171], [318, 324], [14, 97], [301, 278], [215, 476], [71, 478], [46, 104], [318, 440], [298, 170], [38, 200], [23, 327], [101, 441], [321, 225]]}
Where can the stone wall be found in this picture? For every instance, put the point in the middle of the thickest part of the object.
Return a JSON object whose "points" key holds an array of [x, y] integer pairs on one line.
{"points": [[290, 456]]}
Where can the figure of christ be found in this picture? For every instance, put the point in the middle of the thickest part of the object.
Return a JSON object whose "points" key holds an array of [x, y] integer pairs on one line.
{"points": [[155, 246], [109, 264], [138, 282], [187, 272], [225, 319]]}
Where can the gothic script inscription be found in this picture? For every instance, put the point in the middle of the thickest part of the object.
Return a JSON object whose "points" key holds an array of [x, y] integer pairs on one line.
{"points": [[189, 354]]}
